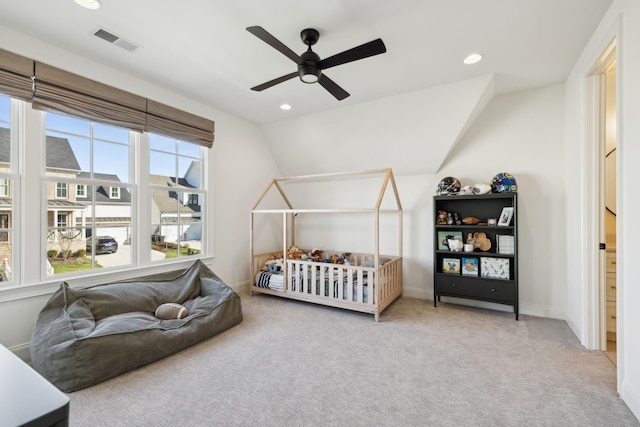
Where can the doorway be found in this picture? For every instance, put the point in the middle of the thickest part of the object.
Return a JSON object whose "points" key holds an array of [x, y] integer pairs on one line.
{"points": [[605, 147], [610, 211]]}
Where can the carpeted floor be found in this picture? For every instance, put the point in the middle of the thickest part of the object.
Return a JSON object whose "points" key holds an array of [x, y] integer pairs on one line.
{"points": [[297, 364]]}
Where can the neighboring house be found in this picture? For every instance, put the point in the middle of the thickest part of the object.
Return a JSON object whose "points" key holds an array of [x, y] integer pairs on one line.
{"points": [[62, 208], [169, 206], [112, 207]]}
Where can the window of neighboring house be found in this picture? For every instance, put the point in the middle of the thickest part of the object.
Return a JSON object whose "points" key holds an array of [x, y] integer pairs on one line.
{"points": [[92, 157], [9, 118], [61, 190], [175, 175], [193, 199], [62, 221], [4, 225], [114, 193], [4, 187]]}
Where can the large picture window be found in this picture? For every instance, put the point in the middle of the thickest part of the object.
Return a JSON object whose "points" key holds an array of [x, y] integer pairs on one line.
{"points": [[90, 220]]}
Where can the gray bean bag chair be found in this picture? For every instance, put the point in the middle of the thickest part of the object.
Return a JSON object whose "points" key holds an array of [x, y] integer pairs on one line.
{"points": [[85, 336]]}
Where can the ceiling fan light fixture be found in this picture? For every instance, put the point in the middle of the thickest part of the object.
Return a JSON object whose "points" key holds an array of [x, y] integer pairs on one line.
{"points": [[285, 107], [89, 4], [309, 74], [473, 59]]}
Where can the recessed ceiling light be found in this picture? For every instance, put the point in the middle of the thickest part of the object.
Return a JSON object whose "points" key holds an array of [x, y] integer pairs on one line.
{"points": [[473, 58], [285, 107], [89, 4]]}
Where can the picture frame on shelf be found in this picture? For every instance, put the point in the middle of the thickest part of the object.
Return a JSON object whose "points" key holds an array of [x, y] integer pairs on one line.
{"points": [[443, 236], [505, 216], [451, 265], [470, 267]]}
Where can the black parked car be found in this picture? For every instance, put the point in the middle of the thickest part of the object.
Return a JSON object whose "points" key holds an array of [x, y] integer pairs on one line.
{"points": [[104, 245]]}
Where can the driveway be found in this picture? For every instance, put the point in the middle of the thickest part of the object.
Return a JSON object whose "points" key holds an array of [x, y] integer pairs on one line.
{"points": [[123, 257]]}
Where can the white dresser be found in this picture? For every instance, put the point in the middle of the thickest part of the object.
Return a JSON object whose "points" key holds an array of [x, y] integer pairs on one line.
{"points": [[611, 294]]}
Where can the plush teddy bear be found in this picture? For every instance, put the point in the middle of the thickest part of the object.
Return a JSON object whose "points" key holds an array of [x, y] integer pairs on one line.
{"points": [[294, 252], [316, 255]]}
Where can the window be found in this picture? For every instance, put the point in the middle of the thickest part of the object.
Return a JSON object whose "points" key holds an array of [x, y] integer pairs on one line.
{"points": [[8, 176], [87, 182], [177, 196], [4, 226], [62, 221], [4, 188], [114, 193], [90, 156], [193, 199], [61, 190]]}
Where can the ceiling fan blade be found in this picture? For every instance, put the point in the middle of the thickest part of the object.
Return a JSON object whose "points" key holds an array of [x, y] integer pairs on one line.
{"points": [[333, 87], [366, 50], [263, 35], [274, 82]]}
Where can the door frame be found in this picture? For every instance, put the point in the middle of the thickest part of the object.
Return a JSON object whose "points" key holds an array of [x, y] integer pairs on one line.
{"points": [[595, 336]]}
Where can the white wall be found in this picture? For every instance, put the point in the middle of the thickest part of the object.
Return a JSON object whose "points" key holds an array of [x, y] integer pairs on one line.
{"points": [[623, 20], [412, 131], [521, 133]]}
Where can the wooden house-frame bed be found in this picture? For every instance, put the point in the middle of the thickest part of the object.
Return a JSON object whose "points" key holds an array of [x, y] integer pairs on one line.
{"points": [[359, 281]]}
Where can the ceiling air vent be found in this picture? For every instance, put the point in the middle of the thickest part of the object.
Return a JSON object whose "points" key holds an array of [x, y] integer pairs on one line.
{"points": [[114, 39]]}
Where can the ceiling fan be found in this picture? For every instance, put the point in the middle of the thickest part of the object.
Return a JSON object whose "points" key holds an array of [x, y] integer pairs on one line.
{"points": [[310, 66]]}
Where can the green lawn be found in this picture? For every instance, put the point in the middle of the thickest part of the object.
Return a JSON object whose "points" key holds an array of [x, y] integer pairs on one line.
{"points": [[72, 265]]}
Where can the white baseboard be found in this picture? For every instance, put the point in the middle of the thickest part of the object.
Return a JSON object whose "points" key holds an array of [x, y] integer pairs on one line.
{"points": [[420, 293], [528, 309], [631, 397], [240, 287], [22, 351]]}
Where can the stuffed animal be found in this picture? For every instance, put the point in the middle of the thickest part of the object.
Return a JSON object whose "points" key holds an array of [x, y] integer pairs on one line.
{"points": [[294, 252], [316, 255], [274, 263]]}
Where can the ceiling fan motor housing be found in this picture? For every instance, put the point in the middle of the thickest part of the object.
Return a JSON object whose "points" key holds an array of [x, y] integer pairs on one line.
{"points": [[308, 68]]}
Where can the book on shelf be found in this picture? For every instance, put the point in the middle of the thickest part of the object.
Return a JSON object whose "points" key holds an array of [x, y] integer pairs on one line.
{"points": [[494, 268], [506, 244], [451, 265], [470, 267]]}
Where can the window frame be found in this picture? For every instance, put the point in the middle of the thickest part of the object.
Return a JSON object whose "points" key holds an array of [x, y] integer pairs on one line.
{"points": [[28, 179]]}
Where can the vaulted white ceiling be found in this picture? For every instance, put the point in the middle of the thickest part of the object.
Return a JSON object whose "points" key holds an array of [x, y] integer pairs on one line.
{"points": [[408, 107]]}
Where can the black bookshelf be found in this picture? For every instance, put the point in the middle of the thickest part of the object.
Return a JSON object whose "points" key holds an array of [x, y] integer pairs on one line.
{"points": [[496, 271]]}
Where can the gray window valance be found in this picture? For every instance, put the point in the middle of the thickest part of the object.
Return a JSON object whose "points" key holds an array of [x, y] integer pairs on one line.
{"points": [[166, 120], [60, 91], [64, 92], [16, 74]]}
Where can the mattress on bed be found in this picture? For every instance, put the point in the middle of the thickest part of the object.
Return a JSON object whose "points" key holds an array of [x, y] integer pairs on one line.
{"points": [[269, 280], [275, 281]]}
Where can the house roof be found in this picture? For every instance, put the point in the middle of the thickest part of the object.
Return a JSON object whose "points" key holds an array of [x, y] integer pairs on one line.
{"points": [[63, 204], [167, 201], [59, 152], [102, 193]]}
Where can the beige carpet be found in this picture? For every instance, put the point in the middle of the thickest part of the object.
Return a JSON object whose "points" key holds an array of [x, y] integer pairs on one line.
{"points": [[297, 364]]}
